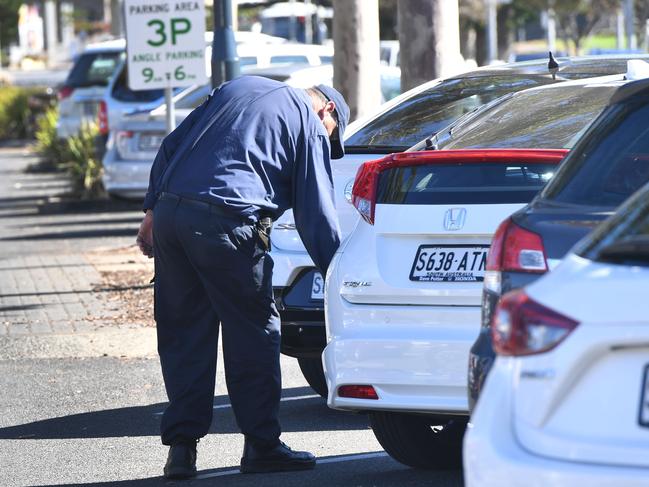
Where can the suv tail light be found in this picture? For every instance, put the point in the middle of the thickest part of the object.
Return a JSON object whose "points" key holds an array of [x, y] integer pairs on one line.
{"points": [[64, 92], [123, 139], [102, 118], [515, 249], [521, 326]]}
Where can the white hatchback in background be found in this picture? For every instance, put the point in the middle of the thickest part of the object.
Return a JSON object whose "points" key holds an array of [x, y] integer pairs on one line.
{"points": [[567, 400], [402, 302]]}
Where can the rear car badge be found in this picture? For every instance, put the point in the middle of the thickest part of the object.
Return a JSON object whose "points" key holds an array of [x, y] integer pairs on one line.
{"points": [[454, 218]]}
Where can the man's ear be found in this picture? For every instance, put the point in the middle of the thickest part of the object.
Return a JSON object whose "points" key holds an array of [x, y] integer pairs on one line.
{"points": [[330, 106]]}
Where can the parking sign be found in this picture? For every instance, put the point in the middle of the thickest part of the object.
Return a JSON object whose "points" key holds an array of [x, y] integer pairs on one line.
{"points": [[165, 43]]}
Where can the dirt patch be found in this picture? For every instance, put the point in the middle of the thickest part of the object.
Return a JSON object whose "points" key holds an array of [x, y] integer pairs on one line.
{"points": [[125, 283]]}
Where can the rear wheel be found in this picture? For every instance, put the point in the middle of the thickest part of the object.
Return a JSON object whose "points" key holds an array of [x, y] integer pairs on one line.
{"points": [[432, 443], [314, 374]]}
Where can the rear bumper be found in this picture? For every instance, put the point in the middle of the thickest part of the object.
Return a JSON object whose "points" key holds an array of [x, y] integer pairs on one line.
{"points": [[414, 356], [129, 179], [493, 456]]}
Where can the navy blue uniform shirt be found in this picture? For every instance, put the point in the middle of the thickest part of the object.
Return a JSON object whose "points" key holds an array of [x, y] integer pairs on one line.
{"points": [[256, 145]]}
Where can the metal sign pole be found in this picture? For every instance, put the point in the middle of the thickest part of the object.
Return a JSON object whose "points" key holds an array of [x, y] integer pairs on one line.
{"points": [[171, 109]]}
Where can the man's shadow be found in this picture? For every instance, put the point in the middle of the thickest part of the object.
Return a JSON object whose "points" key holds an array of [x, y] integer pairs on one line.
{"points": [[297, 413]]}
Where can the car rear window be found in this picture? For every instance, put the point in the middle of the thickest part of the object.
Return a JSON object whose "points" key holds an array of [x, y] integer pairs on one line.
{"points": [[289, 59], [539, 119], [610, 163], [123, 93], [423, 114], [93, 69], [463, 183]]}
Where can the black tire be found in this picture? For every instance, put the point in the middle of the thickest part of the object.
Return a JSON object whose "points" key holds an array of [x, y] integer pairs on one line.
{"points": [[411, 439], [314, 374]]}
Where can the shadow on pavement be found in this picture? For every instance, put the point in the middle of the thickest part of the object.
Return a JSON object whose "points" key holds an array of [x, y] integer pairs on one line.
{"points": [[344, 470], [95, 233], [20, 307], [295, 415]]}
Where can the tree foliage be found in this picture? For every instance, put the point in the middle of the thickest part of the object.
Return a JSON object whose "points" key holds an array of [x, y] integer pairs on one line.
{"points": [[9, 21]]}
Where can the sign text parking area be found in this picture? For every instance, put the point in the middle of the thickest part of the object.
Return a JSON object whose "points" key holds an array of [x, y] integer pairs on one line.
{"points": [[165, 43]]}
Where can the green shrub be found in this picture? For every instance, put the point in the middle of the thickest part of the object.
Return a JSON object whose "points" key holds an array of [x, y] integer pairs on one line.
{"points": [[19, 110], [84, 164], [53, 150]]}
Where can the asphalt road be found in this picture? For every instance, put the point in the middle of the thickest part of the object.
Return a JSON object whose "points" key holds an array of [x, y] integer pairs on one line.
{"points": [[82, 406]]}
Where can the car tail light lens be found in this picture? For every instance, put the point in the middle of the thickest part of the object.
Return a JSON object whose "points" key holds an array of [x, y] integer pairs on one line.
{"points": [[357, 392], [515, 249], [364, 190], [521, 326], [64, 92], [123, 140], [102, 118]]}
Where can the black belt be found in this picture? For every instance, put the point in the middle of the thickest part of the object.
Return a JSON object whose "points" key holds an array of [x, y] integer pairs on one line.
{"points": [[214, 209]]}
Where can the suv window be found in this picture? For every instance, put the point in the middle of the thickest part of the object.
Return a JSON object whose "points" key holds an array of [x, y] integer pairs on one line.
{"points": [[288, 59], [539, 119], [93, 69], [610, 163], [123, 93], [424, 114], [463, 183]]}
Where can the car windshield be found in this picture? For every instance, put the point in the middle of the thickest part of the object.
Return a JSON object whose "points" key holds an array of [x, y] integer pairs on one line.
{"points": [[193, 97], [610, 163], [93, 69], [433, 109], [539, 119]]}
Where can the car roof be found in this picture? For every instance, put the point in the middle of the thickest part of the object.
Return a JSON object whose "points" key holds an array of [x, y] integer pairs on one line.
{"points": [[629, 90], [111, 45]]}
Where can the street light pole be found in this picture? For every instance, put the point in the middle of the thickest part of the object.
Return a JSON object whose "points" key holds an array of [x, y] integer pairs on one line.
{"points": [[225, 61]]}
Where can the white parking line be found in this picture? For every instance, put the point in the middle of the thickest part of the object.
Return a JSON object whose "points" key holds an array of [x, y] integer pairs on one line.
{"points": [[284, 399], [345, 458]]}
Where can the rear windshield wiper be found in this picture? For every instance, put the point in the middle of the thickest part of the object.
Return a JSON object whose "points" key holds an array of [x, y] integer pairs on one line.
{"points": [[634, 249]]}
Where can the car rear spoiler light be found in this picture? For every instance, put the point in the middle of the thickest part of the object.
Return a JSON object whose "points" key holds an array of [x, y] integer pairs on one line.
{"points": [[367, 177]]}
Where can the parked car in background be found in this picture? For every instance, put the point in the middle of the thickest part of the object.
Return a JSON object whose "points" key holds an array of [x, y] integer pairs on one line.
{"points": [[80, 94], [256, 55], [403, 292], [607, 166], [567, 400]]}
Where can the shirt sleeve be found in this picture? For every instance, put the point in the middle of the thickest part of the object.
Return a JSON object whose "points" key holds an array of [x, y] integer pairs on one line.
{"points": [[168, 148], [314, 206]]}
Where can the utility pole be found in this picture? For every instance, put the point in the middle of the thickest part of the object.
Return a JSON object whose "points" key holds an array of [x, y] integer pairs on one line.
{"points": [[552, 30], [357, 54], [629, 27], [429, 38], [492, 31], [225, 61]]}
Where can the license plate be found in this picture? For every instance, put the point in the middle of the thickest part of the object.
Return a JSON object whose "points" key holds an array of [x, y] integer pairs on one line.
{"points": [[317, 287], [449, 263], [150, 142], [643, 416]]}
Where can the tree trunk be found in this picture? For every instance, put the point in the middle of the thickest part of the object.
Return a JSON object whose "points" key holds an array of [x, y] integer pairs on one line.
{"points": [[356, 54], [429, 35]]}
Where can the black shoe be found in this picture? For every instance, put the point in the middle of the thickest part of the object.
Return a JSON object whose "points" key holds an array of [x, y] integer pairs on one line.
{"points": [[181, 462], [279, 458]]}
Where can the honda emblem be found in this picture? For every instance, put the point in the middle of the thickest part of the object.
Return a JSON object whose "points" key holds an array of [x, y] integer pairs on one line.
{"points": [[454, 219]]}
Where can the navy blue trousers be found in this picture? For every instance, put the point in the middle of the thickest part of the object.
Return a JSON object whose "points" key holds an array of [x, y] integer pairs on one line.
{"points": [[212, 270]]}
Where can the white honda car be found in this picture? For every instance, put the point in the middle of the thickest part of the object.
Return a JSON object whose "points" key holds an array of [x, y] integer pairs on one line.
{"points": [[567, 400]]}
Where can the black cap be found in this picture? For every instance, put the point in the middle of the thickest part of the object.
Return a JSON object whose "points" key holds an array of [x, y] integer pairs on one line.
{"points": [[342, 113]]}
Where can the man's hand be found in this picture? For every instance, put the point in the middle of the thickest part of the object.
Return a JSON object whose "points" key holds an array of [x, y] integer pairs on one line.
{"points": [[145, 235]]}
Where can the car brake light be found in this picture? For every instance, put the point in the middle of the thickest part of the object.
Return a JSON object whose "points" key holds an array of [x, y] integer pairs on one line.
{"points": [[521, 326], [102, 118], [123, 140], [364, 190], [357, 392], [64, 92], [515, 249]]}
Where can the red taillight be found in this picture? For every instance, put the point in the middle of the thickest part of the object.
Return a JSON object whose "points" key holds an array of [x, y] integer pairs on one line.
{"points": [[64, 92], [357, 392], [364, 190], [515, 249], [102, 118], [521, 326]]}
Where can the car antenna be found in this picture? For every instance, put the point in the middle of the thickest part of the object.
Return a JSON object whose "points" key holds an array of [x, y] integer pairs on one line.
{"points": [[553, 66]]}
